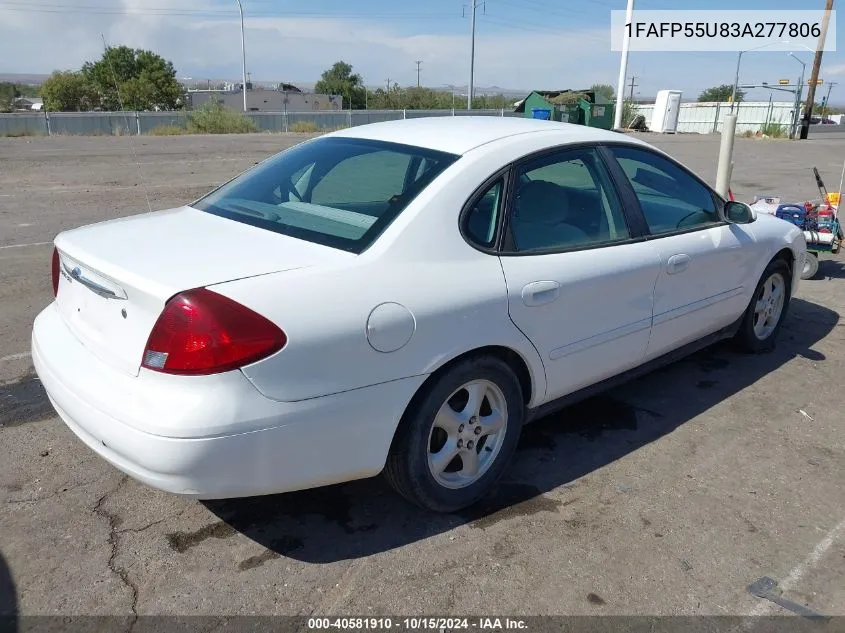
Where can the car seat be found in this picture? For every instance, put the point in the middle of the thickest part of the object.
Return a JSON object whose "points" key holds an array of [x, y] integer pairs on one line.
{"points": [[540, 217]]}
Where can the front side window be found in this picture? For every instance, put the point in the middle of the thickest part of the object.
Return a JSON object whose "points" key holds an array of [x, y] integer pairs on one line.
{"points": [[565, 200], [671, 199], [339, 192]]}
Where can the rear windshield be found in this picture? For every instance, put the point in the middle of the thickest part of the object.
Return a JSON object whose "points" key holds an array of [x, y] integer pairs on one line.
{"points": [[339, 192]]}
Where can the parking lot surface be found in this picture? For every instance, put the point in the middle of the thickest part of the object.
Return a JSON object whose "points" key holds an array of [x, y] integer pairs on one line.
{"points": [[669, 495]]}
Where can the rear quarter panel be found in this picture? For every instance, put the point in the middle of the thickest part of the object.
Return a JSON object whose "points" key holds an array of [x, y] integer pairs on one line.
{"points": [[454, 308]]}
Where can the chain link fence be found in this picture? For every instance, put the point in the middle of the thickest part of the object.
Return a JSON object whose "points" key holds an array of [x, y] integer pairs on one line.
{"points": [[122, 123]]}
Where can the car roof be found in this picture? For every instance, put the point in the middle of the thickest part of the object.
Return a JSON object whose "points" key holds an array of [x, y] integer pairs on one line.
{"points": [[460, 134]]}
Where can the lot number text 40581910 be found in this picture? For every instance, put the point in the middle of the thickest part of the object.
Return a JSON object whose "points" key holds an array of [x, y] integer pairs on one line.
{"points": [[417, 624]]}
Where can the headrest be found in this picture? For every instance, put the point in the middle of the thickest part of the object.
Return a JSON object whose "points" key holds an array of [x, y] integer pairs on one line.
{"points": [[542, 202]]}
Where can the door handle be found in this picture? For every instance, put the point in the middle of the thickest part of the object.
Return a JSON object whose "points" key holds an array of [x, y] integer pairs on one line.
{"points": [[538, 293], [678, 263]]}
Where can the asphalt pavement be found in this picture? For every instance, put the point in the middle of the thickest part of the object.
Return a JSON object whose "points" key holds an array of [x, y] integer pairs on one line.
{"points": [[668, 496]]}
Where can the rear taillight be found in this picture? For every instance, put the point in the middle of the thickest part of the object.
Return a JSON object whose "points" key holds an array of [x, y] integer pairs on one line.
{"points": [[202, 332], [55, 272]]}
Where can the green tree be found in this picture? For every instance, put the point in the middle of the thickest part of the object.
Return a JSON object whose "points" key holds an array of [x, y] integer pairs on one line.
{"points": [[493, 102], [29, 90], [68, 91], [340, 80], [8, 93], [605, 89], [413, 98], [721, 93], [140, 78]]}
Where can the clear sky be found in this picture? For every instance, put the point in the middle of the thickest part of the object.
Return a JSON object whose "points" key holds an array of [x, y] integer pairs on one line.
{"points": [[521, 44]]}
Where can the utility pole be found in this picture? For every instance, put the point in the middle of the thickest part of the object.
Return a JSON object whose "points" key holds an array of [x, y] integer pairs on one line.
{"points": [[418, 62], [470, 89], [243, 49], [633, 85], [471, 58], [826, 103], [814, 75]]}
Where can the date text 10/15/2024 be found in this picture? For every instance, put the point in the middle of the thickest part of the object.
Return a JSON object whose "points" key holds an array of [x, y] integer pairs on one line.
{"points": [[417, 624]]}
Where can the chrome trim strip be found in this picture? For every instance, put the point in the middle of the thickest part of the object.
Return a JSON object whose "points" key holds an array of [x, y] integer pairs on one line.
{"points": [[76, 274], [600, 339], [684, 310]]}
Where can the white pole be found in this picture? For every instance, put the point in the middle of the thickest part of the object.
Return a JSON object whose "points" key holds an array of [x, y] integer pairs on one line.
{"points": [[623, 68], [243, 50], [726, 150], [471, 58]]}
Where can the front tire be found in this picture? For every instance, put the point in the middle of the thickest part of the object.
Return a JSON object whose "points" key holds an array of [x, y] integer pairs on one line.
{"points": [[767, 310], [458, 436]]}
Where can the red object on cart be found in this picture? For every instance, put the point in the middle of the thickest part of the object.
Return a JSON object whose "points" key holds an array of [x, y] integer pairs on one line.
{"points": [[825, 220]]}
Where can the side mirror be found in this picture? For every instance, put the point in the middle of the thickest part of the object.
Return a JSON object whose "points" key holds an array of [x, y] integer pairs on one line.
{"points": [[739, 213]]}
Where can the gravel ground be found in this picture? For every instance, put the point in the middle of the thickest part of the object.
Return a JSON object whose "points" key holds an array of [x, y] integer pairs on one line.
{"points": [[667, 496]]}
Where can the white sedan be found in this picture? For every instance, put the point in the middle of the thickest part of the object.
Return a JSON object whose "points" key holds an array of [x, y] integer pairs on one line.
{"points": [[401, 298]]}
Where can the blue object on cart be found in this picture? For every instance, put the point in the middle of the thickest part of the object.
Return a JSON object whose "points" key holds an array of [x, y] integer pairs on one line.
{"points": [[541, 113], [797, 215]]}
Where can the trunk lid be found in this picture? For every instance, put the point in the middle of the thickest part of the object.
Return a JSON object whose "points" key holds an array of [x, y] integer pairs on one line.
{"points": [[116, 276]]}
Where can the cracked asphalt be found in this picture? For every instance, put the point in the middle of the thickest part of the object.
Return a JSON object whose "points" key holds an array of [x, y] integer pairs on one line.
{"points": [[669, 495]]}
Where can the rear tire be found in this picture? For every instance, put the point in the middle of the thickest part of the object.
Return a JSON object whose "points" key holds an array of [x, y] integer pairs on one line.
{"points": [[458, 436], [767, 310], [811, 266]]}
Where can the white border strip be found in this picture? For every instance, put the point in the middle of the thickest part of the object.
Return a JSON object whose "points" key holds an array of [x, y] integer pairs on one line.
{"points": [[800, 570]]}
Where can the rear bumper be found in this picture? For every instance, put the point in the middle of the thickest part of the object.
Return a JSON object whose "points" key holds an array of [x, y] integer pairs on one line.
{"points": [[213, 437]]}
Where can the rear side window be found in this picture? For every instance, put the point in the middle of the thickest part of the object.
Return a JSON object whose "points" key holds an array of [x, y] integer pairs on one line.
{"points": [[483, 218], [339, 192], [565, 200]]}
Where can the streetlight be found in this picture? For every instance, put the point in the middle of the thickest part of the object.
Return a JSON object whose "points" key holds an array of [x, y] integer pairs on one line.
{"points": [[739, 60], [806, 48], [243, 49], [798, 92]]}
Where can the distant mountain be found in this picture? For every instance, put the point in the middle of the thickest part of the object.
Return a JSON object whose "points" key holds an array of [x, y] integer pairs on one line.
{"points": [[24, 78], [484, 90]]}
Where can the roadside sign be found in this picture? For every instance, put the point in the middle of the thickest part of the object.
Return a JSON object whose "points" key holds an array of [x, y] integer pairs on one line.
{"points": [[819, 82]]}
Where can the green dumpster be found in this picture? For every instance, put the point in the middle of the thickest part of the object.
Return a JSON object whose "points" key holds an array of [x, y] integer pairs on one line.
{"points": [[600, 115]]}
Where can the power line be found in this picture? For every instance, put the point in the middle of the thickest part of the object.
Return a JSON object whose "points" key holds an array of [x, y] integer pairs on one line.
{"points": [[24, 7], [533, 27], [545, 9]]}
